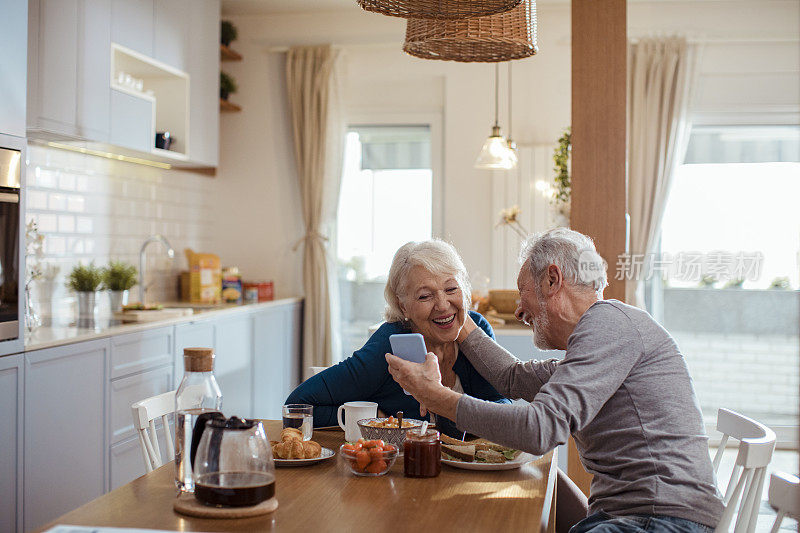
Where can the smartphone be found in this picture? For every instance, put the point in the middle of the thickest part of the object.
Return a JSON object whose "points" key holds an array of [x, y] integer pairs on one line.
{"points": [[409, 346]]}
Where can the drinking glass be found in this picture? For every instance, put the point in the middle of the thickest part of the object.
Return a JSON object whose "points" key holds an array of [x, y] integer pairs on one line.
{"points": [[299, 416]]}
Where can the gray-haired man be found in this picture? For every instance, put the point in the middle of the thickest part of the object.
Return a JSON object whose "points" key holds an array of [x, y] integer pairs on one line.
{"points": [[622, 390]]}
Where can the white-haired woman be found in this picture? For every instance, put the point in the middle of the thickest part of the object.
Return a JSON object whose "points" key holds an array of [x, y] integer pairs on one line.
{"points": [[427, 292]]}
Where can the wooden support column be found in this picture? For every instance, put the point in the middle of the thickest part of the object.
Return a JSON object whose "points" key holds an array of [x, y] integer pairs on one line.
{"points": [[598, 173]]}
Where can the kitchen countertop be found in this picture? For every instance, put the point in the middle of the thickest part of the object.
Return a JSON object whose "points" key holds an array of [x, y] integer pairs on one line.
{"points": [[50, 336]]}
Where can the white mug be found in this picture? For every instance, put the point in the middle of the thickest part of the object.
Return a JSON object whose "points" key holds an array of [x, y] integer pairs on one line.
{"points": [[355, 411]]}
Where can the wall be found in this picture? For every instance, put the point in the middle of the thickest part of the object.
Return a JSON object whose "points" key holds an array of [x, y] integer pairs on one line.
{"points": [[747, 65], [95, 209]]}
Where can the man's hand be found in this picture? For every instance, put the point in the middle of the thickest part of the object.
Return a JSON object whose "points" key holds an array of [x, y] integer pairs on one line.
{"points": [[469, 327], [424, 382]]}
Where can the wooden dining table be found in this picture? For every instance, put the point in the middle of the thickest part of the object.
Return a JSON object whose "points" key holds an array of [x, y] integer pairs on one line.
{"points": [[326, 496]]}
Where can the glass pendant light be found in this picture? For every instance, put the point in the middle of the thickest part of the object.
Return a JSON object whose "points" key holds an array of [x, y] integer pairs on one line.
{"points": [[495, 153]]}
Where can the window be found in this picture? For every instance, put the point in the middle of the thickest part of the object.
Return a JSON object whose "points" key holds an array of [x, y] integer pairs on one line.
{"points": [[731, 238], [386, 200]]}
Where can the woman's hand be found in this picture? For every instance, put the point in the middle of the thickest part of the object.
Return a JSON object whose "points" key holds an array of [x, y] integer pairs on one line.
{"points": [[469, 327], [424, 382]]}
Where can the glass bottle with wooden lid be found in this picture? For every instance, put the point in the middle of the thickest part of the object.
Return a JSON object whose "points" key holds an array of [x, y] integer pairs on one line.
{"points": [[197, 394]]}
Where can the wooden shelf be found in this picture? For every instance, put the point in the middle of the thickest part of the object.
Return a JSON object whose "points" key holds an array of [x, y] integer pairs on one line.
{"points": [[224, 105], [227, 54]]}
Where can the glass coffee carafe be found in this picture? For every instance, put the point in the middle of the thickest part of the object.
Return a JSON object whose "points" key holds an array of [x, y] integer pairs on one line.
{"points": [[233, 465]]}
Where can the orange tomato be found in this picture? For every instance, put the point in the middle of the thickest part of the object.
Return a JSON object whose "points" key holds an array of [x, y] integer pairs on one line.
{"points": [[362, 460], [349, 449], [376, 453], [389, 448], [373, 444], [376, 467]]}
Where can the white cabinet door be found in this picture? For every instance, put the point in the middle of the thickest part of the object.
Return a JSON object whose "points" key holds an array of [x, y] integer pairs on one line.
{"points": [[11, 380], [53, 37], [276, 358], [94, 70], [132, 24], [192, 335], [136, 352], [203, 68], [65, 443], [13, 67], [131, 121], [233, 366], [171, 32]]}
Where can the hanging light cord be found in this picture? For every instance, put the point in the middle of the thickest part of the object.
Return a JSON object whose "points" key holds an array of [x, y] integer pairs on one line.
{"points": [[496, 92], [509, 100]]}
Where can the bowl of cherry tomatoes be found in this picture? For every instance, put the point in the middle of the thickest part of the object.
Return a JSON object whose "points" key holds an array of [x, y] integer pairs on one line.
{"points": [[368, 457]]}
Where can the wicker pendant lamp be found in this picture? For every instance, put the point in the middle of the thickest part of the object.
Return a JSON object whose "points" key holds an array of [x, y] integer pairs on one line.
{"points": [[438, 9], [510, 35]]}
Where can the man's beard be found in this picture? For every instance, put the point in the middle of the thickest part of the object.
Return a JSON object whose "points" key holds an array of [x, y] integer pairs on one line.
{"points": [[540, 326]]}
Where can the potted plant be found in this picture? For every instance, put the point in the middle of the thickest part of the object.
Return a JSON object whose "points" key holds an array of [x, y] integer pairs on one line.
{"points": [[227, 85], [119, 277], [227, 33], [86, 281]]}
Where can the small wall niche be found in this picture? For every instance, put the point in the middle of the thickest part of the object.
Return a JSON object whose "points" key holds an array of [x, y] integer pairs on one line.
{"points": [[166, 87]]}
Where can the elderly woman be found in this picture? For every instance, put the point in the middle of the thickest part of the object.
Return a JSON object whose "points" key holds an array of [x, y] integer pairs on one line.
{"points": [[427, 292]]}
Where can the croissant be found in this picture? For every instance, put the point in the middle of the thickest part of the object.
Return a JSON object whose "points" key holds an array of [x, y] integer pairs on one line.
{"points": [[312, 449], [289, 449], [291, 434]]}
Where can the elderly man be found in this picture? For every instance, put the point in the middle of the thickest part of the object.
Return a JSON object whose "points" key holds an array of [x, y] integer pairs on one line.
{"points": [[622, 390]]}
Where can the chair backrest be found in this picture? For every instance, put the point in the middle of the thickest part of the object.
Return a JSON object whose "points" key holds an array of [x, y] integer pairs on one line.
{"points": [[375, 327], [756, 444], [314, 370], [145, 414], [784, 497]]}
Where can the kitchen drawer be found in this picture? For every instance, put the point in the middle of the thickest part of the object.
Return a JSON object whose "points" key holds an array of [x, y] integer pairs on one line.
{"points": [[140, 351], [126, 391]]}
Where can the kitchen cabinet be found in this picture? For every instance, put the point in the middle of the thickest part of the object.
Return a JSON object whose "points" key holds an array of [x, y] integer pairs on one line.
{"points": [[203, 67], [13, 67], [65, 443], [132, 24], [234, 363], [276, 358], [11, 398], [171, 32], [68, 69], [76, 48]]}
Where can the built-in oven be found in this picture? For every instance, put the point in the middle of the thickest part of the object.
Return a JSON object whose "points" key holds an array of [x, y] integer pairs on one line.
{"points": [[11, 248]]}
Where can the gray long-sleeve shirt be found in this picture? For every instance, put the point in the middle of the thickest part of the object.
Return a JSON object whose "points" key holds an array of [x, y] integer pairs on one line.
{"points": [[624, 392]]}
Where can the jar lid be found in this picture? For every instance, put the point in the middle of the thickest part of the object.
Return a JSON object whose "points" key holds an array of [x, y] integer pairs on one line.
{"points": [[233, 422], [414, 434], [198, 359]]}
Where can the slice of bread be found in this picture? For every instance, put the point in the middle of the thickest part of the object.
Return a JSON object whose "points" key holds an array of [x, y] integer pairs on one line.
{"points": [[460, 453], [490, 456]]}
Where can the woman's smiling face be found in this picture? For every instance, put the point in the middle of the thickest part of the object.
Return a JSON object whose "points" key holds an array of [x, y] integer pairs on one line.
{"points": [[434, 304]]}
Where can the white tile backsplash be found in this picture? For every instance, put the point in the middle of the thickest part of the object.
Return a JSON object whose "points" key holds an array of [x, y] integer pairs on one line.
{"points": [[95, 209]]}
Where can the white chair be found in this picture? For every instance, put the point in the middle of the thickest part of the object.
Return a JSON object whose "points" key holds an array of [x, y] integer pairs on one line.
{"points": [[784, 497], [145, 414], [314, 370], [756, 443]]}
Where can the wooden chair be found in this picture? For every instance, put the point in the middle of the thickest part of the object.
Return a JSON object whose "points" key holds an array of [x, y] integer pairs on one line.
{"points": [[784, 497], [756, 444], [145, 414]]}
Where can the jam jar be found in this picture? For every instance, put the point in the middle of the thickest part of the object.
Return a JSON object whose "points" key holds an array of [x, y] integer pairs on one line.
{"points": [[422, 454]]}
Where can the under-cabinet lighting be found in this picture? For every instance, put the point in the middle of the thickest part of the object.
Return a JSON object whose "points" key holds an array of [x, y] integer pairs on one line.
{"points": [[109, 155]]}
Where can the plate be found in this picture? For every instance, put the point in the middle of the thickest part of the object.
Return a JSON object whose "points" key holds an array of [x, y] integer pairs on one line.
{"points": [[326, 454], [508, 465]]}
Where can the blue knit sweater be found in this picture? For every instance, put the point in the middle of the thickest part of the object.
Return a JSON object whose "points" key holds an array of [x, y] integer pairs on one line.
{"points": [[365, 376]]}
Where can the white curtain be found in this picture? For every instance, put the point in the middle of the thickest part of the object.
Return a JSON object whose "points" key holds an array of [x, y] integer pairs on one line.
{"points": [[660, 78], [313, 84]]}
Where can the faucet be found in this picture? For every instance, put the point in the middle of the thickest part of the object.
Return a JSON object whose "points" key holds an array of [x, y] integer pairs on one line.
{"points": [[170, 253]]}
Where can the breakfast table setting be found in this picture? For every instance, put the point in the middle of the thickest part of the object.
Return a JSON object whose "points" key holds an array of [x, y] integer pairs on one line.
{"points": [[329, 492]]}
